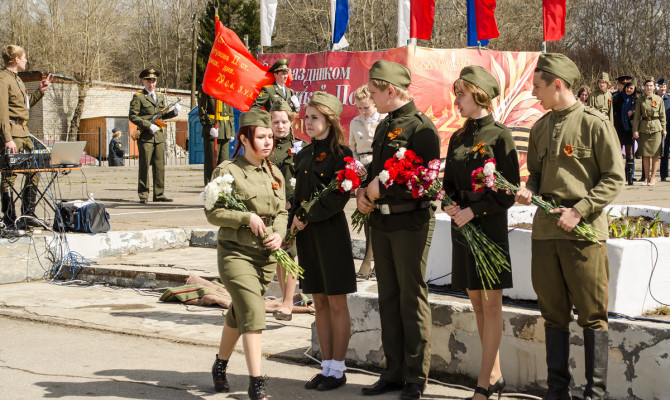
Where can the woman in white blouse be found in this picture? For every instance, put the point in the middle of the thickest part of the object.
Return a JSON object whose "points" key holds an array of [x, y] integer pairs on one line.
{"points": [[361, 132]]}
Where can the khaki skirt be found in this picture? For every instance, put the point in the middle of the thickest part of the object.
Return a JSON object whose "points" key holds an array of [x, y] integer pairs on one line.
{"points": [[649, 144]]}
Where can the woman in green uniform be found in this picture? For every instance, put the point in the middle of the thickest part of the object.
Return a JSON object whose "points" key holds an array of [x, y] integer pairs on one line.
{"points": [[245, 264], [324, 244], [649, 129], [479, 139], [282, 156]]}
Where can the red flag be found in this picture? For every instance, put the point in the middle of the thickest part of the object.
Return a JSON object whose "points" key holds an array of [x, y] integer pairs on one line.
{"points": [[487, 27], [233, 75], [421, 19], [553, 17]]}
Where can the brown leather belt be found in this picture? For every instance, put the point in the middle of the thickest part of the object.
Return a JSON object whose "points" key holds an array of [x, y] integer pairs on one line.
{"points": [[560, 202], [651, 118], [388, 209], [19, 121], [267, 220]]}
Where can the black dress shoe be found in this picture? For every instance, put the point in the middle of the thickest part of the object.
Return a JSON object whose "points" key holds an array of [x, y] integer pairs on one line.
{"points": [[381, 387], [331, 383], [412, 391], [163, 199], [282, 316], [143, 201], [497, 387], [314, 382]]}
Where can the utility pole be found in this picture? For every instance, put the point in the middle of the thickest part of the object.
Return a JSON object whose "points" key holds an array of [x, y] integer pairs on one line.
{"points": [[194, 49]]}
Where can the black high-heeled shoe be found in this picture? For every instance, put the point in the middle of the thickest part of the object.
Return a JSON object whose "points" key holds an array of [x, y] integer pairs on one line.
{"points": [[481, 390], [498, 387]]}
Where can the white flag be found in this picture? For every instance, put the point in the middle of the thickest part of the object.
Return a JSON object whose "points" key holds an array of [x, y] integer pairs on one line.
{"points": [[403, 22], [268, 14]]}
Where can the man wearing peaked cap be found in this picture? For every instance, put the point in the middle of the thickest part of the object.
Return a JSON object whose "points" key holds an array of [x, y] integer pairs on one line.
{"points": [[400, 221], [574, 160], [278, 91], [151, 141], [218, 124], [601, 98]]}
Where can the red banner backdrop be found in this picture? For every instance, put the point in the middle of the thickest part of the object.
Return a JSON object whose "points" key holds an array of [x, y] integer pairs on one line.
{"points": [[433, 74]]}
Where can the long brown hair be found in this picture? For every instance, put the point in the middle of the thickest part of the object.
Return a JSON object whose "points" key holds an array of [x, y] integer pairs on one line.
{"points": [[335, 133], [481, 99], [249, 132]]}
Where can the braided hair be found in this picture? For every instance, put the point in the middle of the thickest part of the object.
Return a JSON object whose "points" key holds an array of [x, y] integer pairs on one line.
{"points": [[272, 172]]}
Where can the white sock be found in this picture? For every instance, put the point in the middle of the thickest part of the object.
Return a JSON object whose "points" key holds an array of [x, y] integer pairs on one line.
{"points": [[325, 365], [337, 368]]}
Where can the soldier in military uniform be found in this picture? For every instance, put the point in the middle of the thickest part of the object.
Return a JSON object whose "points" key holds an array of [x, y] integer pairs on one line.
{"points": [[649, 128], [663, 92], [218, 123], [246, 265], [278, 91], [401, 229], [601, 98], [151, 142], [15, 104], [574, 160]]}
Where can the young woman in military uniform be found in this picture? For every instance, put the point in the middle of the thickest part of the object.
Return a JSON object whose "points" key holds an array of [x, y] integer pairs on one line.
{"points": [[649, 130], [282, 119], [245, 265], [601, 98], [324, 245], [474, 91]]}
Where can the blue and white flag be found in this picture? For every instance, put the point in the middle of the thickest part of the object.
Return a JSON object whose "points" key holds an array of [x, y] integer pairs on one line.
{"points": [[339, 11]]}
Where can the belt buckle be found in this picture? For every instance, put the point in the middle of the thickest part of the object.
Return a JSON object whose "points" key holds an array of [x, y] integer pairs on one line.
{"points": [[648, 118], [385, 209]]}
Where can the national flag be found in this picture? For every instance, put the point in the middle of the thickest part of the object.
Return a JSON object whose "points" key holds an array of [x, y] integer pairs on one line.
{"points": [[268, 15], [487, 27], [339, 19], [403, 22], [472, 26], [422, 13], [553, 18]]}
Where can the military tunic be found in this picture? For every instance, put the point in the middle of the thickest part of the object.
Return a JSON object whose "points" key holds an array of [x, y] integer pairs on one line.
{"points": [[602, 101], [15, 103], [282, 157], [115, 153], [324, 246], [649, 122], [151, 145], [214, 113], [245, 264], [490, 207], [400, 242], [574, 159], [271, 94]]}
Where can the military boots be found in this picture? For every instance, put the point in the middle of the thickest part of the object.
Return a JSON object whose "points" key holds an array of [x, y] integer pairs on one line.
{"points": [[596, 348], [557, 343]]}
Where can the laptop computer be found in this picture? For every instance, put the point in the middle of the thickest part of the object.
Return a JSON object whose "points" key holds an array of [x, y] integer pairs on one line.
{"points": [[67, 154]]}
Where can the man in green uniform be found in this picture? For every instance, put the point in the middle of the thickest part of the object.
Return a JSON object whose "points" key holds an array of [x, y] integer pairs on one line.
{"points": [[601, 98], [15, 103], [574, 160], [151, 142], [218, 123], [278, 91], [401, 231]]}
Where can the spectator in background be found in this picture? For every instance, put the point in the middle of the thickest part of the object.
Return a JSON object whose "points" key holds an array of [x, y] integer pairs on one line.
{"points": [[601, 98], [624, 106], [649, 127], [115, 153], [218, 124], [663, 92], [583, 94]]}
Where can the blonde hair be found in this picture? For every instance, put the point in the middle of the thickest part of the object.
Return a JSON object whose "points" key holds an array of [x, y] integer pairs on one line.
{"points": [[11, 52], [289, 114], [362, 93], [116, 134], [481, 98], [402, 94], [335, 133]]}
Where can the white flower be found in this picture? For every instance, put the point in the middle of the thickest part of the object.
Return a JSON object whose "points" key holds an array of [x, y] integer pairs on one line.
{"points": [[228, 178], [211, 195], [297, 146], [400, 154], [292, 182], [202, 197], [347, 185], [489, 169], [227, 190], [384, 176]]}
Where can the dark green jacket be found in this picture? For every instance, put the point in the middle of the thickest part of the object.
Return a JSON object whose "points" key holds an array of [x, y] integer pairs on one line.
{"points": [[283, 159], [142, 109], [208, 115], [271, 94]]}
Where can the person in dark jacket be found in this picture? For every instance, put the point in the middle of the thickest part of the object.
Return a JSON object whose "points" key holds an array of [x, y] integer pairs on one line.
{"points": [[624, 108], [324, 245], [115, 153], [474, 91]]}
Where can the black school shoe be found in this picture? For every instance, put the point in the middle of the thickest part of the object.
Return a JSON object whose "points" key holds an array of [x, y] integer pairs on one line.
{"points": [[412, 391], [380, 387], [314, 382], [330, 383]]}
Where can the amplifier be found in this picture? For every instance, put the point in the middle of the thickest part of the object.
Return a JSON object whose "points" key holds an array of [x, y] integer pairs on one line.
{"points": [[25, 161]]}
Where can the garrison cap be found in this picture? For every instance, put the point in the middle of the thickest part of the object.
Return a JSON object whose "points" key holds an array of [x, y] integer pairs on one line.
{"points": [[279, 65], [604, 76], [280, 106], [661, 81], [559, 65], [391, 72], [481, 78], [255, 117], [649, 79], [624, 79], [150, 73], [327, 100]]}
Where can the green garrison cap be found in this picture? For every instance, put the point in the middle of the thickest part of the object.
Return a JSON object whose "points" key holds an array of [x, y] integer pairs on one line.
{"points": [[391, 72], [559, 65], [280, 65], [649, 79], [327, 100], [481, 78], [255, 117], [280, 106], [604, 76], [150, 73]]}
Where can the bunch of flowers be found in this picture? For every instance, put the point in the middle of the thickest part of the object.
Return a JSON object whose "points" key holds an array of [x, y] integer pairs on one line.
{"points": [[220, 193], [491, 178]]}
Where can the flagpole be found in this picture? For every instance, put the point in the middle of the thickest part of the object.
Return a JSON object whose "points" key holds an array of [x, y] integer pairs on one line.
{"points": [[544, 47]]}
